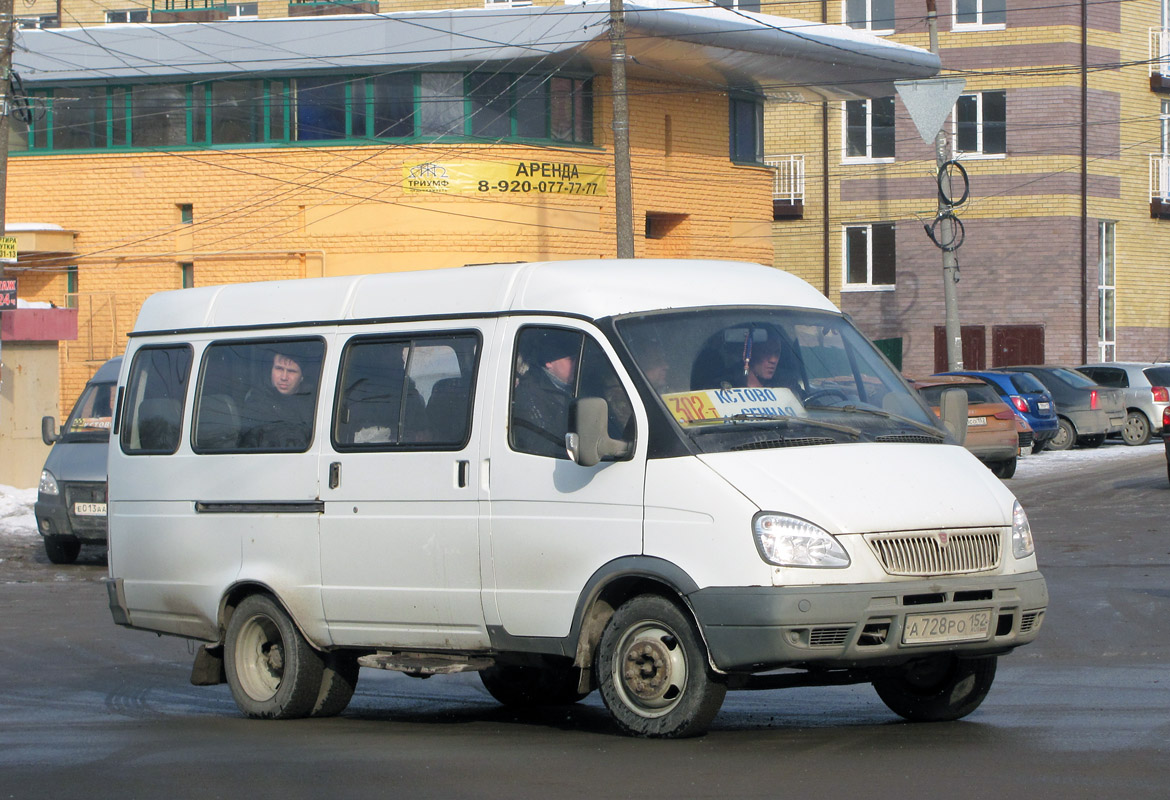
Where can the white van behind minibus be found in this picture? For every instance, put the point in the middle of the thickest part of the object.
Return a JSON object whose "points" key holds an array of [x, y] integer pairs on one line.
{"points": [[658, 479]]}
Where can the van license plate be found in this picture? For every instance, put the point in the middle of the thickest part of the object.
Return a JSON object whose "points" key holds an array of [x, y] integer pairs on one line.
{"points": [[89, 509], [949, 626]]}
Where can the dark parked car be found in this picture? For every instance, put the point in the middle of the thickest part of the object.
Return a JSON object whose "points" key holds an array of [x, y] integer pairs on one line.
{"points": [[71, 498], [1147, 394], [1086, 411], [1027, 396]]}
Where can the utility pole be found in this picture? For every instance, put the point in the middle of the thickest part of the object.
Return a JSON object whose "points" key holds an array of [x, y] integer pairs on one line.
{"points": [[623, 195], [6, 28], [947, 232]]}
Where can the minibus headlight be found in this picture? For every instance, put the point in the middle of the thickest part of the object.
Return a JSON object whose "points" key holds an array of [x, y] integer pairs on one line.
{"points": [[48, 484], [793, 542], [1022, 545]]}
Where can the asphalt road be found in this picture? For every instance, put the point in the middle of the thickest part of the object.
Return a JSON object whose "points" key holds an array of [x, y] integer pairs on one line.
{"points": [[90, 710]]}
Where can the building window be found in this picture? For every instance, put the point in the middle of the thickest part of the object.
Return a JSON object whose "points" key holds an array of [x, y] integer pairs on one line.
{"points": [[876, 16], [869, 128], [981, 123], [1106, 291], [316, 109], [747, 130], [739, 5], [128, 15], [186, 274], [71, 287], [980, 14], [43, 21], [186, 213], [870, 255], [243, 10]]}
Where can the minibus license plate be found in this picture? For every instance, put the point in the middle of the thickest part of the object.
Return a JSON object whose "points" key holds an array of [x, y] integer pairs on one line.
{"points": [[89, 509], [949, 626]]}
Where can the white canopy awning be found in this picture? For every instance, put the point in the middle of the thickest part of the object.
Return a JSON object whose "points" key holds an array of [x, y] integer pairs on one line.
{"points": [[687, 43]]}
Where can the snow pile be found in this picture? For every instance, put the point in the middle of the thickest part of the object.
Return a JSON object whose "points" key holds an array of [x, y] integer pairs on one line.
{"points": [[16, 511]]}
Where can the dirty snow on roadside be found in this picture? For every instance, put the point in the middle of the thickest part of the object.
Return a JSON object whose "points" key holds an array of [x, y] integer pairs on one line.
{"points": [[16, 511], [1048, 462]]}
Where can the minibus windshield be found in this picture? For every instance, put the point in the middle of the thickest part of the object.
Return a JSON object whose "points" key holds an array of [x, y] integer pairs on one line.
{"points": [[91, 416], [738, 378]]}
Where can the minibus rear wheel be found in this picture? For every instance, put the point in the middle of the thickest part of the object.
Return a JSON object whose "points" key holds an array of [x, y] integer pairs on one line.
{"points": [[937, 689], [272, 671], [338, 682], [652, 671]]}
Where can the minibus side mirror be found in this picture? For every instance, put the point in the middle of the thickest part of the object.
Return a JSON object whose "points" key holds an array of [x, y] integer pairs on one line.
{"points": [[48, 429], [588, 441], [954, 413]]}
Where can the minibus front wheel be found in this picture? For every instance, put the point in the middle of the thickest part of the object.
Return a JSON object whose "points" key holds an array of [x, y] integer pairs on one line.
{"points": [[272, 671], [652, 671]]}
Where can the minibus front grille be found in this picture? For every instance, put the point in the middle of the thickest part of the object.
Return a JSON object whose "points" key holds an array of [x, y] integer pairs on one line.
{"points": [[928, 553]]}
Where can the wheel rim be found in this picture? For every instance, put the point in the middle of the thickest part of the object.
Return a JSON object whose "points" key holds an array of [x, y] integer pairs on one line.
{"points": [[260, 658], [1135, 428], [1061, 439], [650, 669]]}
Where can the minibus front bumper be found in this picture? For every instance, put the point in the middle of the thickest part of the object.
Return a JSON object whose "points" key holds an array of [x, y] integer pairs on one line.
{"points": [[756, 629]]}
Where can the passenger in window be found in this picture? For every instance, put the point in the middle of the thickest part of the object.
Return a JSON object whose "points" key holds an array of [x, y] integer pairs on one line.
{"points": [[764, 367], [540, 403], [279, 415]]}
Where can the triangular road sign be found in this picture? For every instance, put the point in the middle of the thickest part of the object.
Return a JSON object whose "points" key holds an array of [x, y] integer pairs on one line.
{"points": [[929, 101]]}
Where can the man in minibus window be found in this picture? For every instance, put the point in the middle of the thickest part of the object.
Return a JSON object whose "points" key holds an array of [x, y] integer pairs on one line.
{"points": [[279, 416], [540, 404]]}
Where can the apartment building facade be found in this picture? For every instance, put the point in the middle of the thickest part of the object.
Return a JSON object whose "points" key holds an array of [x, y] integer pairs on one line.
{"points": [[1062, 129]]}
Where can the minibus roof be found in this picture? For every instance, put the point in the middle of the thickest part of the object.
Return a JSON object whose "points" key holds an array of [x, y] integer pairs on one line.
{"points": [[591, 289]]}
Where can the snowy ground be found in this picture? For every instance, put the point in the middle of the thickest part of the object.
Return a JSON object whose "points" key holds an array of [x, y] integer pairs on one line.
{"points": [[16, 512], [16, 505]]}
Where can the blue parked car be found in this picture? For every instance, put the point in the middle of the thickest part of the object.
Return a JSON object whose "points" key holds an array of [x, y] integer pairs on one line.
{"points": [[1028, 397]]}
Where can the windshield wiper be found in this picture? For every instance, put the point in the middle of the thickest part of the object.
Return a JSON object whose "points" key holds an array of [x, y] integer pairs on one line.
{"points": [[854, 409]]}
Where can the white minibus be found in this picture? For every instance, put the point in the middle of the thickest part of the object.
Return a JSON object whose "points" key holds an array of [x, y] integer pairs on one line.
{"points": [[660, 479]]}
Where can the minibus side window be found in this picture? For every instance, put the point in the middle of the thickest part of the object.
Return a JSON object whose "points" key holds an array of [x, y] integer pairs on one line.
{"points": [[155, 392], [553, 367], [257, 396], [406, 392]]}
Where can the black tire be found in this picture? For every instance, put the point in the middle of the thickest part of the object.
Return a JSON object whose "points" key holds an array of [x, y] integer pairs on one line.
{"points": [[532, 686], [1091, 442], [1039, 445], [1136, 431], [272, 671], [339, 678], [1066, 436], [652, 671], [62, 549], [937, 689], [1004, 469]]}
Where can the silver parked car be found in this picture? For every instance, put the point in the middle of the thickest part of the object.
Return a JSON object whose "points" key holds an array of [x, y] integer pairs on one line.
{"points": [[1087, 411], [1147, 394]]}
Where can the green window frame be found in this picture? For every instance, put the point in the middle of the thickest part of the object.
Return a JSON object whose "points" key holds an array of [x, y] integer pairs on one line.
{"points": [[320, 109]]}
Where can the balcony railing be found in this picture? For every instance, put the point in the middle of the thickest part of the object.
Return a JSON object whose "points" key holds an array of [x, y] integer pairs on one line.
{"points": [[1160, 51], [1160, 185], [787, 185]]}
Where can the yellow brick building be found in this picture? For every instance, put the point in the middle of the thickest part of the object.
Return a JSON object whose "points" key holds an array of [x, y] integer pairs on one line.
{"points": [[170, 165]]}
